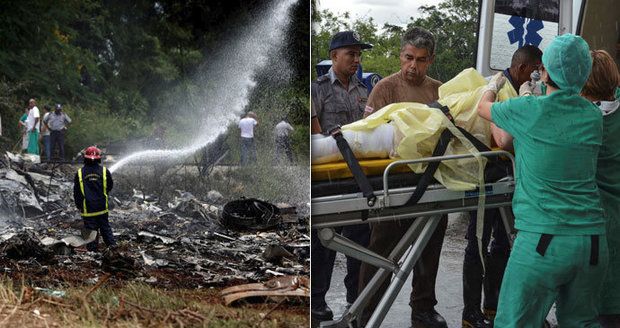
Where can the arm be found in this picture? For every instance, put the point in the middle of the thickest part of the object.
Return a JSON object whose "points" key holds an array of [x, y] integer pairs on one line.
{"points": [[77, 193], [67, 118], [315, 126], [489, 94], [315, 109], [502, 138], [37, 118], [484, 106], [44, 126], [110, 181], [34, 127]]}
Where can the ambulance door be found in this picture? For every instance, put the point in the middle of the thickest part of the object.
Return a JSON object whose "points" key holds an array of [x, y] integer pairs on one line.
{"points": [[599, 25], [506, 25]]}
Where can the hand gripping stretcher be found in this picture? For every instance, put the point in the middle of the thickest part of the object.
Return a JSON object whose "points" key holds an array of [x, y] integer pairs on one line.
{"points": [[336, 205]]}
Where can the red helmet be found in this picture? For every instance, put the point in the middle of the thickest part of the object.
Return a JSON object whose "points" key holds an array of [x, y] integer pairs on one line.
{"points": [[92, 152]]}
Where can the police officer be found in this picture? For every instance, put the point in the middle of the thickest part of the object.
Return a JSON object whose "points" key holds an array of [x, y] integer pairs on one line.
{"points": [[337, 98], [91, 186]]}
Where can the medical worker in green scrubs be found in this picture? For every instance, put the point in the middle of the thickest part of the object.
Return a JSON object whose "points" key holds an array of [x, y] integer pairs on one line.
{"points": [[602, 89], [560, 253]]}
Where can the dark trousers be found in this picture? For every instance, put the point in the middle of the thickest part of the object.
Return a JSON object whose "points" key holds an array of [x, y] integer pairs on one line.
{"points": [[496, 257], [47, 144], [283, 147], [322, 260], [383, 239], [58, 139], [101, 224], [248, 151]]}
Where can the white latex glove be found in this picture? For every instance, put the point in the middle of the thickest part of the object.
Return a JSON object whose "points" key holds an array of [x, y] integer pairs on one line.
{"points": [[528, 88], [497, 82]]}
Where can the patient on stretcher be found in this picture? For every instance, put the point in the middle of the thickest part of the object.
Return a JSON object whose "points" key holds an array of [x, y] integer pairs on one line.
{"points": [[412, 130]]}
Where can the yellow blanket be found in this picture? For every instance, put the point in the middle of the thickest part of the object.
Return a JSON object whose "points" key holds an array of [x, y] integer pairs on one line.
{"points": [[418, 128]]}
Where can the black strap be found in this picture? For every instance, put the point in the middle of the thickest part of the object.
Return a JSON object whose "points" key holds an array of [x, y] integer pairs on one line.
{"points": [[427, 176], [440, 149], [355, 168], [545, 240], [594, 250], [543, 243]]}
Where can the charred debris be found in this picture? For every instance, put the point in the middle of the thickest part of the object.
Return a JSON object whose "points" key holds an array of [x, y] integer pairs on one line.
{"points": [[182, 240]]}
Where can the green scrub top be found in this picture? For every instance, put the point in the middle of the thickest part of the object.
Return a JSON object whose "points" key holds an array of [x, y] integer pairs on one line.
{"points": [[557, 140], [608, 174], [608, 178]]}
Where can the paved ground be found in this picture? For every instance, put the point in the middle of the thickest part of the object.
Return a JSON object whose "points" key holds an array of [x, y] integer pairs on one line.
{"points": [[449, 282]]}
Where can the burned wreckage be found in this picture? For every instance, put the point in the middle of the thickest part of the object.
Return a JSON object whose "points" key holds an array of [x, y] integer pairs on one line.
{"points": [[185, 243]]}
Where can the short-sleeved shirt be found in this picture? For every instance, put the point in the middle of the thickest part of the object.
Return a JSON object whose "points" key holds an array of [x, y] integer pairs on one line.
{"points": [[395, 88], [45, 131], [33, 114], [283, 129], [57, 121], [247, 125], [557, 140], [333, 104]]}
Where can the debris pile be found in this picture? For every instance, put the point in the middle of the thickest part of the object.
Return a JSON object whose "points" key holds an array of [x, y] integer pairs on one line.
{"points": [[180, 244]]}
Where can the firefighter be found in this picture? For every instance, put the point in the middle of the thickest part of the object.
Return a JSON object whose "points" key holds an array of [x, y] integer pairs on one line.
{"points": [[91, 187]]}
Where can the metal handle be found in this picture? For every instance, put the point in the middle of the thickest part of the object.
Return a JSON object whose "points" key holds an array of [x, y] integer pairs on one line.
{"points": [[493, 153]]}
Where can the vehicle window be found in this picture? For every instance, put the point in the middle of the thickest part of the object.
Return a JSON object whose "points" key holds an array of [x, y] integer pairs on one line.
{"points": [[520, 22]]}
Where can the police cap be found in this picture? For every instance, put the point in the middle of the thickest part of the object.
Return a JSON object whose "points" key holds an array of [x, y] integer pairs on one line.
{"points": [[345, 39]]}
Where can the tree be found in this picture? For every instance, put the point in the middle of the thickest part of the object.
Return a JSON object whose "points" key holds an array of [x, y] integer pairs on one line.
{"points": [[453, 22]]}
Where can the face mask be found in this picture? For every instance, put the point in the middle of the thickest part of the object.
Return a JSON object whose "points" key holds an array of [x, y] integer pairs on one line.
{"points": [[607, 107]]}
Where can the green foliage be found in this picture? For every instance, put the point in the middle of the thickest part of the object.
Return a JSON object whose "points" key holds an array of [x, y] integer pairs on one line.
{"points": [[122, 67], [97, 125], [453, 23]]}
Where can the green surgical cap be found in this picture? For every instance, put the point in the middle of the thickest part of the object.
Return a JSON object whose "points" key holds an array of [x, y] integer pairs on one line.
{"points": [[567, 60]]}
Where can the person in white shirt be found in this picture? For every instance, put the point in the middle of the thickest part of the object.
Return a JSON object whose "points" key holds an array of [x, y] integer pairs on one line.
{"points": [[282, 133], [32, 124], [248, 148]]}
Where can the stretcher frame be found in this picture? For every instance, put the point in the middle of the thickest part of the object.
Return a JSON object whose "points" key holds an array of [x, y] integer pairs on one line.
{"points": [[329, 212]]}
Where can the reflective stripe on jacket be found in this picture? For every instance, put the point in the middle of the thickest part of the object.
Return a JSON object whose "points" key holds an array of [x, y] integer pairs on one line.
{"points": [[91, 186]]}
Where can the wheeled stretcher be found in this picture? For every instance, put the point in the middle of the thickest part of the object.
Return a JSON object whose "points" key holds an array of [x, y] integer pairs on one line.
{"points": [[338, 202]]}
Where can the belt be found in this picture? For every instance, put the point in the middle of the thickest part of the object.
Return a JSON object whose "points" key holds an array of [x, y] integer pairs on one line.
{"points": [[545, 240]]}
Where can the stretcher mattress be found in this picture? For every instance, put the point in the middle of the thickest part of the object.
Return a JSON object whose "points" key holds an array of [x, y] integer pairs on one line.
{"points": [[340, 170], [336, 178]]}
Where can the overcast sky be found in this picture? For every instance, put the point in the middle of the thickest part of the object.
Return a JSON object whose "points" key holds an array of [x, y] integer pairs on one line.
{"points": [[395, 12]]}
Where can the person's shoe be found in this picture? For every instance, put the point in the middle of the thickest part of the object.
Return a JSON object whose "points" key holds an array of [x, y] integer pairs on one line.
{"points": [[489, 313], [428, 319], [322, 314], [475, 319]]}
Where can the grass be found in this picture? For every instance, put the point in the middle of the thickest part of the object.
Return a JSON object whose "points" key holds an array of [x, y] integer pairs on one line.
{"points": [[138, 305]]}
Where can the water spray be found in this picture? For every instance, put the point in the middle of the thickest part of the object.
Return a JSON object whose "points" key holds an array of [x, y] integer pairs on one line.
{"points": [[234, 72]]}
